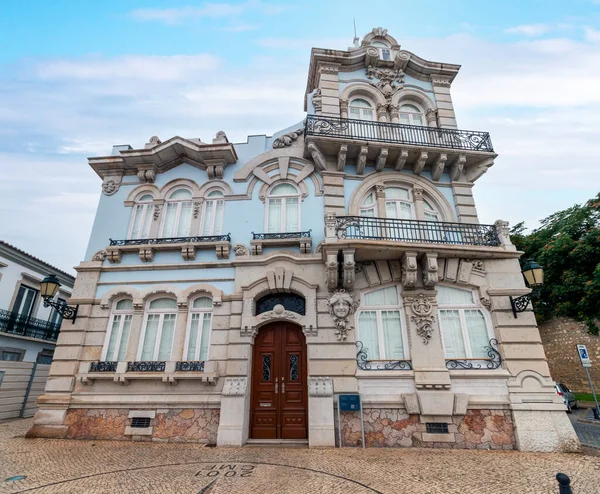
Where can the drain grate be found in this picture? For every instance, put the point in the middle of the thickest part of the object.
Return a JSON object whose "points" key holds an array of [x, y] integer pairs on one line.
{"points": [[140, 422], [436, 428]]}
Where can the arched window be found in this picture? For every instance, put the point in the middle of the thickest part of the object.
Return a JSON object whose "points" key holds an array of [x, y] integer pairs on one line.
{"points": [[212, 217], [361, 109], [178, 214], [384, 49], [141, 218], [398, 204], [198, 331], [117, 334], [380, 325], [411, 115], [283, 209], [368, 207], [464, 328], [430, 213], [159, 327]]}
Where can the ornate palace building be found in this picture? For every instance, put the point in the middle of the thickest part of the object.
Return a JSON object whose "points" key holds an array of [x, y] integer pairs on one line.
{"points": [[231, 292]]}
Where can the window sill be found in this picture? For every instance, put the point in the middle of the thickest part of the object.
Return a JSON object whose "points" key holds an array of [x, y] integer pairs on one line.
{"points": [[188, 250], [169, 376], [262, 240]]}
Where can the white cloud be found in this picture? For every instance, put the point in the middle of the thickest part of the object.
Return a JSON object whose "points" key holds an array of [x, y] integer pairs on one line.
{"points": [[208, 10], [147, 68], [529, 29], [538, 100], [592, 35]]}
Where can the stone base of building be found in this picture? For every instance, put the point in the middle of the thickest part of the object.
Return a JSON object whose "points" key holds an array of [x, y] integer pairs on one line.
{"points": [[198, 425], [545, 431], [393, 427]]}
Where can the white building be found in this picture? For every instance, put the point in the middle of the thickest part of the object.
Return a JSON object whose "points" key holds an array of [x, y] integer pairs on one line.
{"points": [[28, 330], [232, 292]]}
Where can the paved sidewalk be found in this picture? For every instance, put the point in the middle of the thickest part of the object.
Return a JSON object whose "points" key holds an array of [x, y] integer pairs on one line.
{"points": [[64, 466], [587, 432]]}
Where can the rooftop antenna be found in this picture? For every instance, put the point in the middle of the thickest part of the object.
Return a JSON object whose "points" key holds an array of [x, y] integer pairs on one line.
{"points": [[355, 36]]}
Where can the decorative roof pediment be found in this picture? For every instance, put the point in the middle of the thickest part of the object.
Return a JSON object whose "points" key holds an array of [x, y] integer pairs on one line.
{"points": [[158, 157]]}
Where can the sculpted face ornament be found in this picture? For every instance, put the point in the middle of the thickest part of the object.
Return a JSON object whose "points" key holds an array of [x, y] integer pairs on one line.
{"points": [[341, 307]]}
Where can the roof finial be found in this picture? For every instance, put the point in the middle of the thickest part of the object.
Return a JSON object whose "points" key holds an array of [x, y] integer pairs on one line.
{"points": [[355, 36]]}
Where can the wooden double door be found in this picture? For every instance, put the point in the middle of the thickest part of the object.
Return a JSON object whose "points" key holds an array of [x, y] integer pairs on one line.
{"points": [[279, 393]]}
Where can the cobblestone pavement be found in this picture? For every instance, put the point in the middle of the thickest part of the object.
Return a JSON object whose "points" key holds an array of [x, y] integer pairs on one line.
{"points": [[588, 434], [65, 466]]}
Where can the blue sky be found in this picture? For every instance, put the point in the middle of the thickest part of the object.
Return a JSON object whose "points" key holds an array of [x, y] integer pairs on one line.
{"points": [[77, 77]]}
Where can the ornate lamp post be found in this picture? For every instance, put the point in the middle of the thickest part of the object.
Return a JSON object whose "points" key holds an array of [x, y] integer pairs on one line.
{"points": [[48, 288], [534, 277]]}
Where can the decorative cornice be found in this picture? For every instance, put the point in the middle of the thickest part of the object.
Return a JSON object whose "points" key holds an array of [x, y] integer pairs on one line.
{"points": [[287, 139]]}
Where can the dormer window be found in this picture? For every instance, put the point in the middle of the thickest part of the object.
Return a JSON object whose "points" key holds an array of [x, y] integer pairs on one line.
{"points": [[411, 115], [384, 50], [361, 109]]}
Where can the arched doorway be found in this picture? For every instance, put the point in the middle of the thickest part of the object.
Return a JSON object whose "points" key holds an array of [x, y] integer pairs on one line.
{"points": [[279, 394]]}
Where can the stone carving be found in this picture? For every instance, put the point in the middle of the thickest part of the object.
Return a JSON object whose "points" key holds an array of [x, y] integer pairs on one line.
{"points": [[502, 228], [388, 78], [486, 302], [418, 193], [431, 115], [430, 270], [341, 307], [423, 318], [109, 187], [320, 386], [409, 270], [196, 210], [317, 156], [146, 176], [154, 140], [344, 108], [235, 386], [287, 139], [329, 69], [220, 138], [478, 265], [317, 100], [394, 112], [279, 312], [349, 273], [156, 213], [440, 81], [240, 250], [99, 256], [380, 190], [331, 271]]}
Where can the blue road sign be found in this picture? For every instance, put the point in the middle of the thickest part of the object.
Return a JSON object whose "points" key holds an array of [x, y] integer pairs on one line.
{"points": [[349, 403]]}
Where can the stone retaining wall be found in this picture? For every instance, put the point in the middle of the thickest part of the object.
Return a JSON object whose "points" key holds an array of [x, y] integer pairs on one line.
{"points": [[392, 427], [560, 338], [197, 425]]}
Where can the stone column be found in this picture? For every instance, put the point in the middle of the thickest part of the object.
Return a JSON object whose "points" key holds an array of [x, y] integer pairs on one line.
{"points": [[417, 194], [329, 87], [235, 412], [395, 113], [137, 322], [432, 379], [321, 426], [180, 330], [445, 108]]}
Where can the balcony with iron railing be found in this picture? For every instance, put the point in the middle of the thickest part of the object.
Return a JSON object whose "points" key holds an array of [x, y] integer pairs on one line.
{"points": [[17, 324], [395, 133], [462, 154], [416, 231]]}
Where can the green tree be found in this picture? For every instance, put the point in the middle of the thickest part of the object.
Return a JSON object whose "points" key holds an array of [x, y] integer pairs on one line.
{"points": [[567, 245]]}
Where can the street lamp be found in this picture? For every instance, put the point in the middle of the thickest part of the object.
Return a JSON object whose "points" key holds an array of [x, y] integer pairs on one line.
{"points": [[534, 277], [48, 288]]}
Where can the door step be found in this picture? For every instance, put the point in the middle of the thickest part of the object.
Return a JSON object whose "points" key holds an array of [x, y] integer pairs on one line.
{"points": [[277, 443]]}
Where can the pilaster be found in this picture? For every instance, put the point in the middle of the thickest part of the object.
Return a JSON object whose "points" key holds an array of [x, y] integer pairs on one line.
{"points": [[329, 88], [180, 330]]}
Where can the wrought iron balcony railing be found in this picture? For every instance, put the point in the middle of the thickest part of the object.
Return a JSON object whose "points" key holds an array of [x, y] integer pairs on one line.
{"points": [[170, 240], [435, 232], [19, 324], [395, 133], [280, 236]]}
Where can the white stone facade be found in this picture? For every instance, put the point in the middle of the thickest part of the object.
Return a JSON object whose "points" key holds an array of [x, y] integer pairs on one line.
{"points": [[370, 229]]}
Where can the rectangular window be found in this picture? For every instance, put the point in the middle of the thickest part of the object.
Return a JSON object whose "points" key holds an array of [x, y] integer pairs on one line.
{"points": [[199, 333], [25, 301], [119, 336], [14, 356]]}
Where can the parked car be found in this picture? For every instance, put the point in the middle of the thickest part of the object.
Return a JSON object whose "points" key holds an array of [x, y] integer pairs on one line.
{"points": [[568, 397]]}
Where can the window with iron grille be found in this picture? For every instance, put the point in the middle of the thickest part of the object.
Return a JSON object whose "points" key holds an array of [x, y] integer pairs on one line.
{"points": [[140, 422], [436, 428]]}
